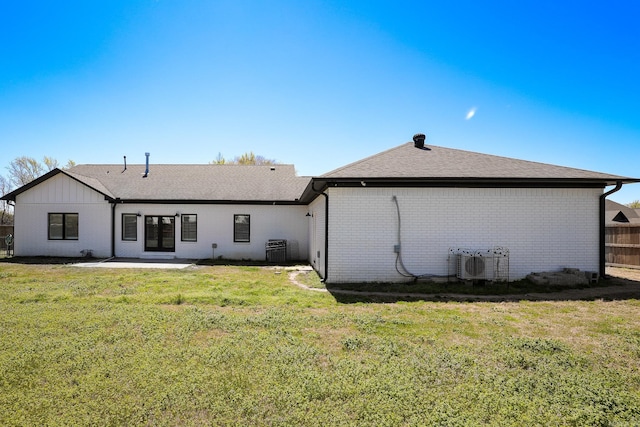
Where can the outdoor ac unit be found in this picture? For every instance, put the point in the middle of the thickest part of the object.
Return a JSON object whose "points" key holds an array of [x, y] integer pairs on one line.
{"points": [[475, 267]]}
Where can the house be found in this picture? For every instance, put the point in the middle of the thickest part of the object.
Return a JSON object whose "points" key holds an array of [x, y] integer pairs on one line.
{"points": [[617, 214], [622, 235], [162, 211], [396, 216]]}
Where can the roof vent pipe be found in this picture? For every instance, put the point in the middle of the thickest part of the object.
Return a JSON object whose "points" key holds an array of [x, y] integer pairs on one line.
{"points": [[146, 171], [418, 140], [125, 164]]}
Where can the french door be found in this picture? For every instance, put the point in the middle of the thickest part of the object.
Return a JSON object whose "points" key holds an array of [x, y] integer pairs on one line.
{"points": [[160, 233]]}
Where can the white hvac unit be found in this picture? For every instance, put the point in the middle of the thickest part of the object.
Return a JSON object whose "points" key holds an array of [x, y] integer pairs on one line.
{"points": [[474, 267]]}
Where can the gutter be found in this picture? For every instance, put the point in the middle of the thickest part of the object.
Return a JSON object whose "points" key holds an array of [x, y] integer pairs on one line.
{"points": [[326, 230], [602, 226]]}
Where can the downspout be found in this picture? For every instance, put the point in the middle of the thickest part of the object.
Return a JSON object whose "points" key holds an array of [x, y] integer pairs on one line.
{"points": [[602, 226], [326, 230], [113, 226], [13, 223]]}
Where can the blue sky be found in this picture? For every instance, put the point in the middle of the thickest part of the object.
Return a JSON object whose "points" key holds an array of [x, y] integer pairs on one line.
{"points": [[321, 83]]}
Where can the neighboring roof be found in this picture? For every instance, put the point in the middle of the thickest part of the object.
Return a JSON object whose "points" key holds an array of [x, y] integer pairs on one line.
{"points": [[188, 183], [617, 214], [431, 165]]}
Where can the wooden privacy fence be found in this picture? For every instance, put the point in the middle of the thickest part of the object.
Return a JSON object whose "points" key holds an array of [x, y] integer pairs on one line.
{"points": [[622, 246]]}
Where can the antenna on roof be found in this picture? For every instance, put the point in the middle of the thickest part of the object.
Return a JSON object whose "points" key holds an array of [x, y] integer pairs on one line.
{"points": [[125, 164]]}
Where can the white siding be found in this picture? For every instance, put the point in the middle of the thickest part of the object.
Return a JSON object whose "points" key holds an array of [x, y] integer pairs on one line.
{"points": [[61, 194], [544, 229], [215, 225]]}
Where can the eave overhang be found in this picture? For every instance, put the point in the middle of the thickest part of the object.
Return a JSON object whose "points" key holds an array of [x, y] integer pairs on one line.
{"points": [[319, 184], [206, 202]]}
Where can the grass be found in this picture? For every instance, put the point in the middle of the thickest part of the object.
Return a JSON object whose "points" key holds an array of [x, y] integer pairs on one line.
{"points": [[238, 346]]}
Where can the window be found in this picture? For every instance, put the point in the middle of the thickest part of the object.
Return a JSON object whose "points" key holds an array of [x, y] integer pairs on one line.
{"points": [[241, 228], [63, 226], [189, 228], [129, 227]]}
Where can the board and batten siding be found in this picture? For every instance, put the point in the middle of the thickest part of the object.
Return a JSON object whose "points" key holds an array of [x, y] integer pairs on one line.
{"points": [[544, 229], [61, 194], [216, 225]]}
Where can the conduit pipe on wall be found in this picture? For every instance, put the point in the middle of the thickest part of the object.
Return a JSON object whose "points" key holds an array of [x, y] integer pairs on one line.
{"points": [[399, 261], [602, 227]]}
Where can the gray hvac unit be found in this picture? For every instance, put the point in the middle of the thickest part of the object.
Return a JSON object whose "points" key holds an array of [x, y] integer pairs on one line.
{"points": [[484, 264], [475, 267], [276, 250]]}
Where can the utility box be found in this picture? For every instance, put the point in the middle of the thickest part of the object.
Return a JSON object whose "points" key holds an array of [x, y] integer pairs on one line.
{"points": [[276, 250]]}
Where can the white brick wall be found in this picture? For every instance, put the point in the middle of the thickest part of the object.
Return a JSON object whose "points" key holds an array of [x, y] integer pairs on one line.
{"points": [[544, 229]]}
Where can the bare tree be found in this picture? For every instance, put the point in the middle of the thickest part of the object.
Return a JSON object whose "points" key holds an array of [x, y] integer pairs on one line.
{"points": [[6, 216], [49, 163], [248, 158], [23, 170]]}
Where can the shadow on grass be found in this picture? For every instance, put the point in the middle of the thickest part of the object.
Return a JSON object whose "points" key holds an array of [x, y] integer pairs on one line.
{"points": [[608, 289], [46, 260], [43, 260]]}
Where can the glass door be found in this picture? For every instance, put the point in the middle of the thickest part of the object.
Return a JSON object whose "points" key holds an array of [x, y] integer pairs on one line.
{"points": [[160, 233]]}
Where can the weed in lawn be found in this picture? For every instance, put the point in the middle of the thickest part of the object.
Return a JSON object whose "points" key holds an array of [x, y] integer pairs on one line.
{"points": [[177, 299]]}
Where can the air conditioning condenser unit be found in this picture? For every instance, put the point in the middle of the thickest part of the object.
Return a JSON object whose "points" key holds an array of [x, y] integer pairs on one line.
{"points": [[474, 267]]}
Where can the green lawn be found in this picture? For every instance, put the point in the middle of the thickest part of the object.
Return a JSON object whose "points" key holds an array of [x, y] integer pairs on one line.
{"points": [[241, 346]]}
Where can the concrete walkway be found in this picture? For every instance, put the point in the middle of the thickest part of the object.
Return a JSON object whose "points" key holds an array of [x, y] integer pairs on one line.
{"points": [[176, 264]]}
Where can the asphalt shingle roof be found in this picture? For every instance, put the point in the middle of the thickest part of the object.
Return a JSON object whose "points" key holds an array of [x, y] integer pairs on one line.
{"points": [[612, 209], [407, 161], [194, 182], [400, 165]]}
